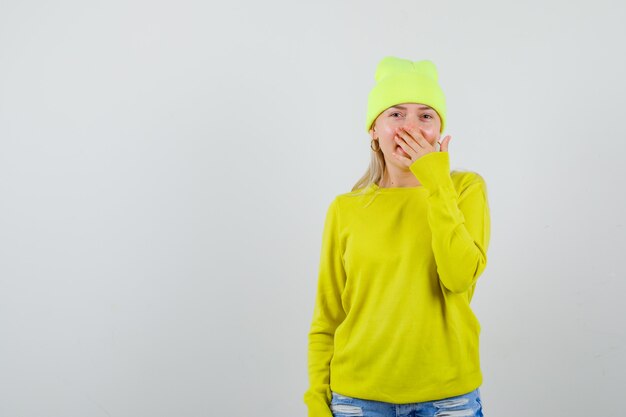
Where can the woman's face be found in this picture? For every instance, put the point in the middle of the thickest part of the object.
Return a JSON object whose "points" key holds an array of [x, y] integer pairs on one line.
{"points": [[411, 116]]}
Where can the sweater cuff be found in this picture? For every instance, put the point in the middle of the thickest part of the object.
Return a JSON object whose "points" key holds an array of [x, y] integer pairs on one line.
{"points": [[318, 405], [433, 170]]}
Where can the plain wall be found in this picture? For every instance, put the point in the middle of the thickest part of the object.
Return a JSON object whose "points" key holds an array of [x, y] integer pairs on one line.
{"points": [[165, 168]]}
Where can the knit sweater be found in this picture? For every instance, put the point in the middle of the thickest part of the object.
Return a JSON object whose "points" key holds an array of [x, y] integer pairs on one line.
{"points": [[398, 267]]}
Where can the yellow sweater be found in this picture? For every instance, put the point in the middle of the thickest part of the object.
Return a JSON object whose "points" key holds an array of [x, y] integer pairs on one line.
{"points": [[392, 319]]}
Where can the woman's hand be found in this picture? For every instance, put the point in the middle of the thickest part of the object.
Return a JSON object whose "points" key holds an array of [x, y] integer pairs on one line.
{"points": [[415, 145]]}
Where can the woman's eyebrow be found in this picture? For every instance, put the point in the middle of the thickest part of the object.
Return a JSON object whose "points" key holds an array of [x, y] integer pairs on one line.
{"points": [[404, 108]]}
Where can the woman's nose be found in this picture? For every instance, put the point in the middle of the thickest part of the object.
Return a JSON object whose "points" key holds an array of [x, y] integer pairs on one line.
{"points": [[411, 123], [411, 126]]}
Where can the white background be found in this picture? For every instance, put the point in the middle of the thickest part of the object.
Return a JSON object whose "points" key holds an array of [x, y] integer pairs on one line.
{"points": [[165, 168]]}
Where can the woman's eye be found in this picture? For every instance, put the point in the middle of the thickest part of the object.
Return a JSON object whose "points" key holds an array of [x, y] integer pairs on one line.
{"points": [[426, 115]]}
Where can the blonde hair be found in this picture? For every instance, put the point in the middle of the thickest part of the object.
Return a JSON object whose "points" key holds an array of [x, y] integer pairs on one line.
{"points": [[374, 172]]}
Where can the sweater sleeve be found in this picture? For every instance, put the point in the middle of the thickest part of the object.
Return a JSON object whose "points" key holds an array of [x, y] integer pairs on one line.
{"points": [[328, 313], [460, 223]]}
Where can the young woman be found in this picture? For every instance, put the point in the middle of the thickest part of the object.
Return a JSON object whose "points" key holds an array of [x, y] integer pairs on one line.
{"points": [[393, 333]]}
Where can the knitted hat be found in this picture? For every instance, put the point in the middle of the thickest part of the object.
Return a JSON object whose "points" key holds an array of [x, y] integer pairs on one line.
{"points": [[402, 81]]}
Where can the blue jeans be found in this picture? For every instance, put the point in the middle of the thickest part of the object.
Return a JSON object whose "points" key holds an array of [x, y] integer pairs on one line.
{"points": [[469, 405]]}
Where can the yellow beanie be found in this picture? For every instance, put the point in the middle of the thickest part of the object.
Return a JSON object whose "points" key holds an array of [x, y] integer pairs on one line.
{"points": [[403, 81]]}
